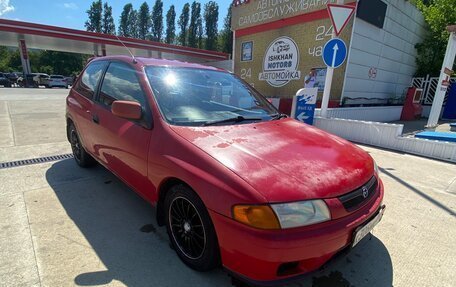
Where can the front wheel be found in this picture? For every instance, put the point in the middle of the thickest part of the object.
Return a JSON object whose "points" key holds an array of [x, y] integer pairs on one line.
{"points": [[190, 229], [80, 155]]}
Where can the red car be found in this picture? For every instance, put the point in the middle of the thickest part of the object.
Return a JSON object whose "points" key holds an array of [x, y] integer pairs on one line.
{"points": [[235, 182]]}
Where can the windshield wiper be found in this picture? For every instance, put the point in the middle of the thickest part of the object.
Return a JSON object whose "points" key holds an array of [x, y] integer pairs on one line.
{"points": [[233, 119], [278, 116]]}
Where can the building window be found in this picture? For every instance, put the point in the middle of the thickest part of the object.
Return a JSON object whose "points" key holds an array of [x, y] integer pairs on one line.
{"points": [[372, 11]]}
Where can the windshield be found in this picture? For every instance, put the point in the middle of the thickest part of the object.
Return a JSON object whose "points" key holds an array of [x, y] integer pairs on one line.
{"points": [[196, 97], [56, 77]]}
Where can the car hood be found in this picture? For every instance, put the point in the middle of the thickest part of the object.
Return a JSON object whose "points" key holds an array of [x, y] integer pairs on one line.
{"points": [[285, 160]]}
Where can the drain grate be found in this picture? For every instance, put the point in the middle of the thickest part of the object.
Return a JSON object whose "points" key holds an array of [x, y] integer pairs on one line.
{"points": [[43, 159]]}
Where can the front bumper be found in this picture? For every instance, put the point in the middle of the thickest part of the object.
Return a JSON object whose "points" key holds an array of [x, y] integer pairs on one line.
{"points": [[265, 257]]}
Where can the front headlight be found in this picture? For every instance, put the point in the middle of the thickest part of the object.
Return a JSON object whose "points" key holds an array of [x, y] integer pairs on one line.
{"points": [[301, 213]]}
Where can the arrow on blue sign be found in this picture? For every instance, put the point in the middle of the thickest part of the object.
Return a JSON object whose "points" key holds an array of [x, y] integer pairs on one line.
{"points": [[334, 53], [302, 117]]}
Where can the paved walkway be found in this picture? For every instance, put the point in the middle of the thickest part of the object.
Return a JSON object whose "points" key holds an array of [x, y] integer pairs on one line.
{"points": [[64, 226]]}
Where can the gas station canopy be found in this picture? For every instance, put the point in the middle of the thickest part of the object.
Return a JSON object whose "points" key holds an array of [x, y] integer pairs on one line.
{"points": [[38, 36]]}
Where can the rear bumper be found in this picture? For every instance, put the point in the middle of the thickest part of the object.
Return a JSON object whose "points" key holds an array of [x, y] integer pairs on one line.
{"points": [[258, 256]]}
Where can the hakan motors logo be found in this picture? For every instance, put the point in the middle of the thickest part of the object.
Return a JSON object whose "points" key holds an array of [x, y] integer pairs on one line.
{"points": [[281, 62]]}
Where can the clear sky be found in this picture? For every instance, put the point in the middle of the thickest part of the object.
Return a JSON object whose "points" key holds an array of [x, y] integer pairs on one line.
{"points": [[72, 13]]}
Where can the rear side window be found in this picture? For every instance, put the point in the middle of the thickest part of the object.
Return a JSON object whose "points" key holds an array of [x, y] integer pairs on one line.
{"points": [[121, 83], [90, 78]]}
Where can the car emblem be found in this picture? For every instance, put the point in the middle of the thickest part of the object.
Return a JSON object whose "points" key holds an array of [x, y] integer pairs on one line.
{"points": [[365, 192]]}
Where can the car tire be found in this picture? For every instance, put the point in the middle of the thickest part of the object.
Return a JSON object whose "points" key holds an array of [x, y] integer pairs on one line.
{"points": [[82, 158], [190, 229]]}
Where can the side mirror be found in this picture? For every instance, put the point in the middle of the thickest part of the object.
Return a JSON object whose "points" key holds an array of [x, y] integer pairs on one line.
{"points": [[127, 109]]}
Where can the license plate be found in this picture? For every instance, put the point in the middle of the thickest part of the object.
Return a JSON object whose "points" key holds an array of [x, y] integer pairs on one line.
{"points": [[361, 232]]}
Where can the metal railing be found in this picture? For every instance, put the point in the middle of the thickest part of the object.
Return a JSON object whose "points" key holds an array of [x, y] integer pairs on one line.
{"points": [[429, 85]]}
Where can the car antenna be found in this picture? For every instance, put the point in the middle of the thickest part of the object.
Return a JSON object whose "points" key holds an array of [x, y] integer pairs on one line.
{"points": [[131, 54]]}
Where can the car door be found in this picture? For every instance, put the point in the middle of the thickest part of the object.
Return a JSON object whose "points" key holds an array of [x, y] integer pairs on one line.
{"points": [[81, 101], [122, 144]]}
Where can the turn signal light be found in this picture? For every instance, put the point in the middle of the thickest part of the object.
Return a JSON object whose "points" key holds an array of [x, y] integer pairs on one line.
{"points": [[258, 216]]}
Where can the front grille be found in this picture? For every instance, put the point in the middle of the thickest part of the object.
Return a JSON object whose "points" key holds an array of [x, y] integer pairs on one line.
{"points": [[358, 197]]}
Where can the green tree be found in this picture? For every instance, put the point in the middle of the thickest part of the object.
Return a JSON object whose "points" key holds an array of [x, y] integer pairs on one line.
{"points": [[226, 35], [14, 62], [211, 19], [5, 56], [144, 22], [93, 24], [193, 26], [170, 25], [199, 33], [107, 25], [157, 21], [61, 63], [438, 15], [183, 24], [127, 23]]}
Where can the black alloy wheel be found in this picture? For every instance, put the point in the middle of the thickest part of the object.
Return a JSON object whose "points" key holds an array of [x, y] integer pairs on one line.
{"points": [[190, 229], [187, 228], [81, 157]]}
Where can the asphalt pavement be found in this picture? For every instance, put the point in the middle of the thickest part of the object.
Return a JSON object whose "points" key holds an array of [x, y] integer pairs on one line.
{"points": [[61, 225]]}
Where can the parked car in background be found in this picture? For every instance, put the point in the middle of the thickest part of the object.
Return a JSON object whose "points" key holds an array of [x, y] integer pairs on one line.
{"points": [[4, 81], [13, 77], [26, 81], [57, 81], [69, 80], [235, 182], [41, 79]]}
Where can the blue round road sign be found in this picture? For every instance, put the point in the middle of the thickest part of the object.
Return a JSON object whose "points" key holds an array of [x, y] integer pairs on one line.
{"points": [[334, 53]]}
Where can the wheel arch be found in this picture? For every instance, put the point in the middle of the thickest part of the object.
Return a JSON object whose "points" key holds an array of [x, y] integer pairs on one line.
{"points": [[163, 189], [69, 122]]}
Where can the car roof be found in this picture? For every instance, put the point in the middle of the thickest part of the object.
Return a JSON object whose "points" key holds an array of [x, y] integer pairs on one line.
{"points": [[158, 62]]}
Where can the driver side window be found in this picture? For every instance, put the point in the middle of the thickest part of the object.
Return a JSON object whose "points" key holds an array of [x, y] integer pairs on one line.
{"points": [[121, 83]]}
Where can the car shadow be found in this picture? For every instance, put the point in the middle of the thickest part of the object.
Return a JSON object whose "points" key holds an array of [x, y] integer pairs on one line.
{"points": [[121, 229]]}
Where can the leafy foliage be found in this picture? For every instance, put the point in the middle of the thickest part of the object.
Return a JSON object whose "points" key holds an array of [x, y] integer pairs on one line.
{"points": [[93, 24], [107, 25], [195, 19], [183, 24], [438, 15], [226, 35], [127, 24], [49, 62], [4, 59], [147, 23], [211, 19], [170, 25], [144, 21], [157, 21]]}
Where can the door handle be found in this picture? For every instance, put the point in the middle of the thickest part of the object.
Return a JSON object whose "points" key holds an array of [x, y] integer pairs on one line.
{"points": [[95, 119]]}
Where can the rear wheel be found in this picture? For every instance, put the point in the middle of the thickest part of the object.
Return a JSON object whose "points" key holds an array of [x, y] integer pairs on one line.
{"points": [[80, 155], [190, 229]]}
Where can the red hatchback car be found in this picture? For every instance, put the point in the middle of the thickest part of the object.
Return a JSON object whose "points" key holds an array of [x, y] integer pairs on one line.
{"points": [[235, 182]]}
